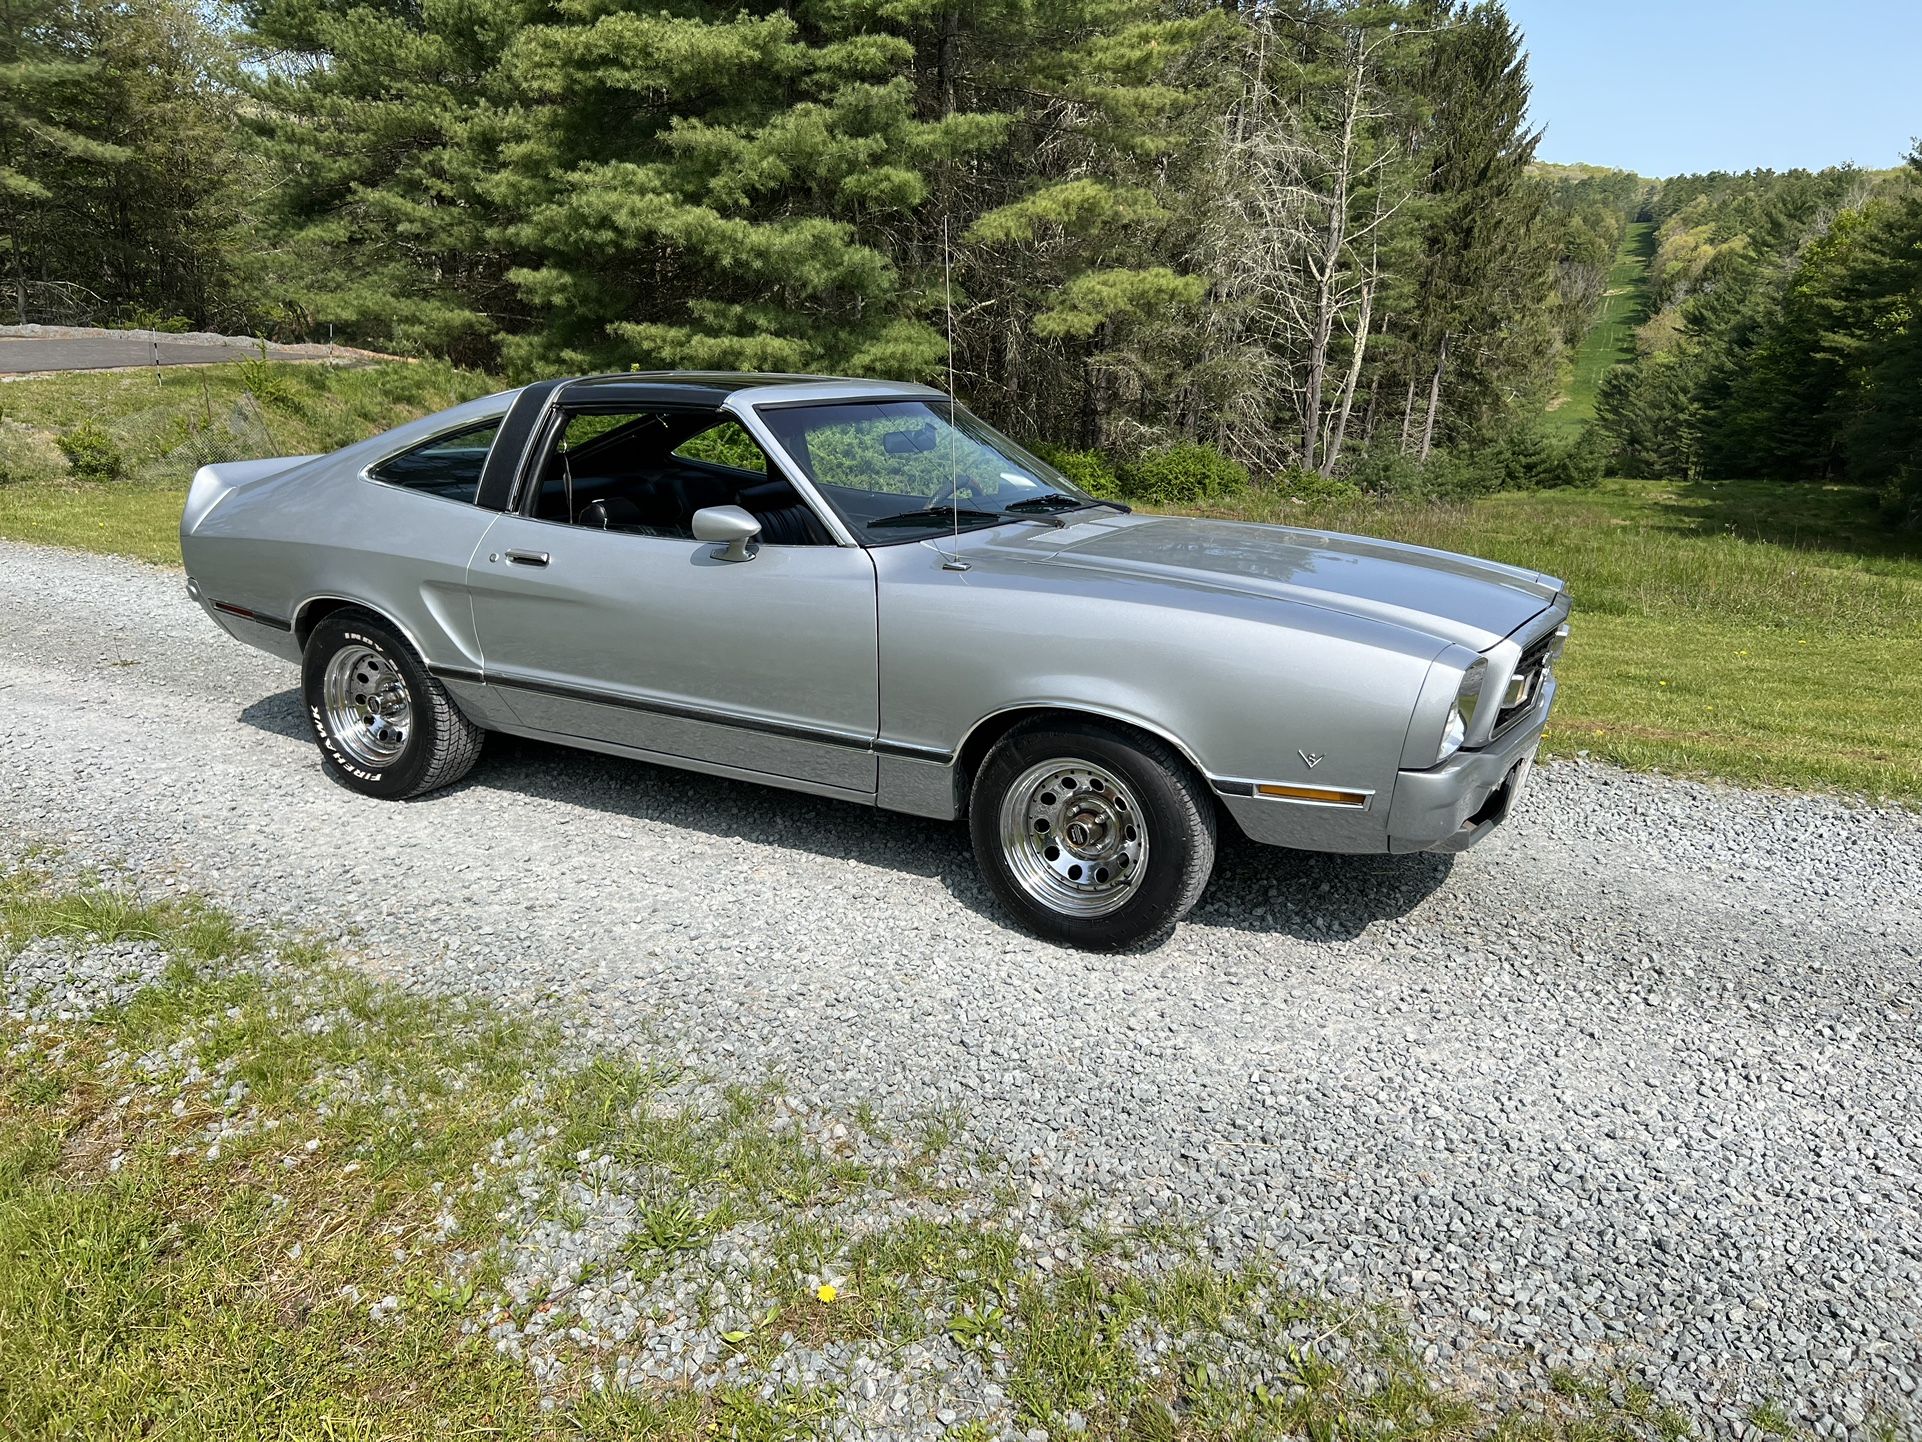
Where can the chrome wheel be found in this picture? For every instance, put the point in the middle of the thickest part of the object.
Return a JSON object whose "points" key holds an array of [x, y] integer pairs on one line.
{"points": [[369, 713], [1075, 838]]}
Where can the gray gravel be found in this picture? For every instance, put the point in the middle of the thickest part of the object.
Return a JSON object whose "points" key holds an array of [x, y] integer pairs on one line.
{"points": [[1634, 1082], [49, 980]]}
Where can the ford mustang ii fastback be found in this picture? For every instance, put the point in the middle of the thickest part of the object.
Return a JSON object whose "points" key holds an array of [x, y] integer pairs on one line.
{"points": [[857, 589]]}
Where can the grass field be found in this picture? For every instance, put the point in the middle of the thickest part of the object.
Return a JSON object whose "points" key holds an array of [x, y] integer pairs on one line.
{"points": [[1759, 632], [1612, 338], [129, 519]]}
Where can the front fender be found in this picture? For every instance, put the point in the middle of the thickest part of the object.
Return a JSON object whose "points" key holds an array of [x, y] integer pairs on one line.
{"points": [[1248, 688]]}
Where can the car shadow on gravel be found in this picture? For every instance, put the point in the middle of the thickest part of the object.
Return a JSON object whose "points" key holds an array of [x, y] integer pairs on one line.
{"points": [[280, 714], [1300, 894], [1311, 895], [733, 810]]}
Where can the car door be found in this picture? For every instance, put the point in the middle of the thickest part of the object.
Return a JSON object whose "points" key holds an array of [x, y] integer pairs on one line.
{"points": [[655, 642]]}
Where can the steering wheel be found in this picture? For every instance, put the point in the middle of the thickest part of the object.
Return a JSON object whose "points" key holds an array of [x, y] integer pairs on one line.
{"points": [[951, 493]]}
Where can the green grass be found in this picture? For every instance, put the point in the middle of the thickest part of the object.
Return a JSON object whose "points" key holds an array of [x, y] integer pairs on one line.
{"points": [[1611, 340], [155, 1285], [132, 518], [1758, 632], [165, 423]]}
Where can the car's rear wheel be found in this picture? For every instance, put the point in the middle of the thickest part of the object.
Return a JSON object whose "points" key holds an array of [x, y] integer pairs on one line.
{"points": [[385, 726], [1092, 834]]}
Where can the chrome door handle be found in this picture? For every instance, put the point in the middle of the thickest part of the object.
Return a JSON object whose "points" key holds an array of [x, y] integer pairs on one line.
{"points": [[528, 558]]}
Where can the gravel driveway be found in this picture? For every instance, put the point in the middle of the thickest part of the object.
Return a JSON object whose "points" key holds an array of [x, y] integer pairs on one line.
{"points": [[1636, 1081]]}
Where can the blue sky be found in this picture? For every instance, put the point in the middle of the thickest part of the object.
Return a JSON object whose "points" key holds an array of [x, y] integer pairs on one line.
{"points": [[1694, 85]]}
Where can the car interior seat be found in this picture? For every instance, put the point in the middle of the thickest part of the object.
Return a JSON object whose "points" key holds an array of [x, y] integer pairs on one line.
{"points": [[785, 518]]}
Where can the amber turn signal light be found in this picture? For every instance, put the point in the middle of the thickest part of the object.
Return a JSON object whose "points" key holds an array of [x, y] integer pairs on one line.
{"points": [[1323, 794]]}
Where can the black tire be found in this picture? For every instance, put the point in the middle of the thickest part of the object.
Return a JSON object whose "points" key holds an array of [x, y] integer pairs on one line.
{"points": [[1155, 783], [436, 747]]}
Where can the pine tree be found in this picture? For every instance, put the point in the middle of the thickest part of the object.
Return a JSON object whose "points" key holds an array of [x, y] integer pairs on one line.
{"points": [[592, 185], [1770, 319], [1777, 384], [1882, 300], [50, 143], [733, 190], [1078, 308], [1485, 266], [166, 227], [384, 125]]}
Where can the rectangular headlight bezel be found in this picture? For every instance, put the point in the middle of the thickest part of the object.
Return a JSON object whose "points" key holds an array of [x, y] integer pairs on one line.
{"points": [[1460, 724], [1468, 696]]}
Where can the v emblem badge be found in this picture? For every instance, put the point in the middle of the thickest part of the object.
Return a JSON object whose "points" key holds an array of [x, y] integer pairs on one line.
{"points": [[1313, 758]]}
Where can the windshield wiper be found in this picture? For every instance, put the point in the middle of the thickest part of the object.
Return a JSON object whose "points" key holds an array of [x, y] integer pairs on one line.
{"points": [[942, 514], [1055, 501]]}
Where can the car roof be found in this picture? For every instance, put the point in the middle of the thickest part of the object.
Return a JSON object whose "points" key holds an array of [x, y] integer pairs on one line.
{"points": [[712, 388]]}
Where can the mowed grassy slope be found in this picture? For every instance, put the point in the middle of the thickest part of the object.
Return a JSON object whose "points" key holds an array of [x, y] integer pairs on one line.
{"points": [[1760, 632], [168, 422], [1611, 341]]}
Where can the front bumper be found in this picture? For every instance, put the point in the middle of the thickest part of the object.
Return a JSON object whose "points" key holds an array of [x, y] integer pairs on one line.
{"points": [[1453, 806]]}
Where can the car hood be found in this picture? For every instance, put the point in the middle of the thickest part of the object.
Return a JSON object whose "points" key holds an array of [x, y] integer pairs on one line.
{"points": [[1457, 598]]}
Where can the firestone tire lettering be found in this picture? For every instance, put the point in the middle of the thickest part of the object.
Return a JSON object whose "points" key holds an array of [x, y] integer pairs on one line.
{"points": [[443, 744]]}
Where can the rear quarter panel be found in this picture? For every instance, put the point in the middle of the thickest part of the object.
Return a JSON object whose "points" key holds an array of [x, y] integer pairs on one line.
{"points": [[321, 531]]}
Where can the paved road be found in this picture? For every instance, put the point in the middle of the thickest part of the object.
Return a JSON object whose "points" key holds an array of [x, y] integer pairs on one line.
{"points": [[61, 349], [1635, 1083]]}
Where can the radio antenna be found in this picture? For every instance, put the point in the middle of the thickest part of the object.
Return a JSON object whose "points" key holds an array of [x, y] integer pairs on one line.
{"points": [[951, 562]]}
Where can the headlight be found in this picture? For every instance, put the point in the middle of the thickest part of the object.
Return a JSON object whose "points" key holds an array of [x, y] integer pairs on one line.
{"points": [[1455, 729]]}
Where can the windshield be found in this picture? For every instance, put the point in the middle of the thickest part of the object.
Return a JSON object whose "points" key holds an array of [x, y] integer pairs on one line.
{"points": [[905, 469]]}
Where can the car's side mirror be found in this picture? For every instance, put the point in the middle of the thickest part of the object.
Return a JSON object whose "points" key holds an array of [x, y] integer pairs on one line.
{"points": [[730, 525]]}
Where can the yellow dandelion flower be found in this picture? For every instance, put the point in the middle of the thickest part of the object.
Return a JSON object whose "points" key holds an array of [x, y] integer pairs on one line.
{"points": [[827, 1291]]}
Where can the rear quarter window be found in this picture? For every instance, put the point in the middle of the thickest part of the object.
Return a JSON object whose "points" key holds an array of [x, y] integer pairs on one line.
{"points": [[448, 466]]}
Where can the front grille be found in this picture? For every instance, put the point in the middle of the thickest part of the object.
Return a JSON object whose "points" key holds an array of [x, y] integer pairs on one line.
{"points": [[1534, 660]]}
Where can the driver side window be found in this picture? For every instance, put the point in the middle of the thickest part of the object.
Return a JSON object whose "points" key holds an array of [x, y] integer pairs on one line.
{"points": [[647, 472], [727, 445]]}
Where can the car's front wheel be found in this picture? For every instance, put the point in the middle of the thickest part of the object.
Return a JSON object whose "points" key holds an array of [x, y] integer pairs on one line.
{"points": [[385, 726], [1092, 834]]}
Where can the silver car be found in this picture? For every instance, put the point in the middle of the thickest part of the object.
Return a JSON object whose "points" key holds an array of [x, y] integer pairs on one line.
{"points": [[857, 589]]}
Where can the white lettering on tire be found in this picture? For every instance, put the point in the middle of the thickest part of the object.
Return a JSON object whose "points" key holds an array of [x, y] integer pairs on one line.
{"points": [[333, 751]]}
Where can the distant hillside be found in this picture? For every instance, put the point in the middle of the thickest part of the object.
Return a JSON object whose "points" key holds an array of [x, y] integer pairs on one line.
{"points": [[1782, 337], [1549, 170], [1611, 339]]}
